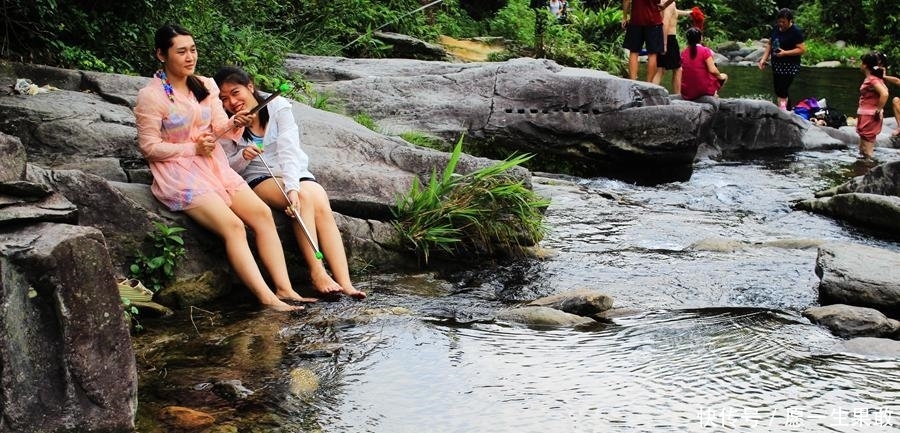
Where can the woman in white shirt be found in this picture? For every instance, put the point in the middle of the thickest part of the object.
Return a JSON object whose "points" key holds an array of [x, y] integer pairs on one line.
{"points": [[273, 135]]}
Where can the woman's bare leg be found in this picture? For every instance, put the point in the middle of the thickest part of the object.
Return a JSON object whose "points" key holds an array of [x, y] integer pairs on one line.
{"points": [[312, 202], [866, 148], [215, 215], [329, 236], [256, 214]]}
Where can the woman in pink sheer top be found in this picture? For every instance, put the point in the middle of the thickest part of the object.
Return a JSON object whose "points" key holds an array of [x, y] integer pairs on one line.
{"points": [[178, 116]]}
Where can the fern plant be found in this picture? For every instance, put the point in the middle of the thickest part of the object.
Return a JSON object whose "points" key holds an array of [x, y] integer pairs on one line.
{"points": [[471, 213]]}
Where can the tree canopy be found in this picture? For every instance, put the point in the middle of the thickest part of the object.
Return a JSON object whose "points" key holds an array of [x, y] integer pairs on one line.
{"points": [[116, 36]]}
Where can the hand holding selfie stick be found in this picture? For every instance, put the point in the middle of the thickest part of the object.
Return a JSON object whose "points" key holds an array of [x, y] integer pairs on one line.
{"points": [[293, 209], [283, 88]]}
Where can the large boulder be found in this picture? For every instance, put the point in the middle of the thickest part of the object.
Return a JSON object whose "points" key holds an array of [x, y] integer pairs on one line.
{"points": [[66, 358], [859, 275], [871, 200], [752, 125], [580, 121]]}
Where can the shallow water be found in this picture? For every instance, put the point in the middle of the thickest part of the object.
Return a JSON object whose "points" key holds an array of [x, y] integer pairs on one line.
{"points": [[712, 274]]}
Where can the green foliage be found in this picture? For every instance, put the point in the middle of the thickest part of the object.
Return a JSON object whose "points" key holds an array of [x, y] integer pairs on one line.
{"points": [[424, 140], [365, 120], [130, 311], [516, 22], [453, 21], [157, 269], [470, 213], [257, 34], [818, 51]]}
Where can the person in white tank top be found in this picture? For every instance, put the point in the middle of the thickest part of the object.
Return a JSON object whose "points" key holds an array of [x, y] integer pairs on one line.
{"points": [[555, 6]]}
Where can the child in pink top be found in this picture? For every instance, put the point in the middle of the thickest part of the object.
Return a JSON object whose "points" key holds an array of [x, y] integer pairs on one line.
{"points": [[873, 94], [700, 76], [178, 116]]}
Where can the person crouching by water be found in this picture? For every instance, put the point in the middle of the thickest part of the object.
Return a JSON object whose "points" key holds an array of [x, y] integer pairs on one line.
{"points": [[873, 95], [273, 134], [178, 115], [700, 76]]}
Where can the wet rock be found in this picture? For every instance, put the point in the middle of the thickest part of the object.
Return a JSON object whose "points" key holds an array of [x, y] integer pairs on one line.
{"points": [[849, 321], [876, 211], [875, 347], [583, 302], [883, 179], [231, 390], [303, 382], [859, 275], [66, 356], [543, 316], [871, 200], [182, 418]]}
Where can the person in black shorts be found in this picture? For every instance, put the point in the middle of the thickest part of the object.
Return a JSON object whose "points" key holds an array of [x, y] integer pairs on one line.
{"points": [[642, 21], [670, 60]]}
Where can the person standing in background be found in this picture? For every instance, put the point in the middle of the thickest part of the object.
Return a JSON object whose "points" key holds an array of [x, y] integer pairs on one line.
{"points": [[555, 7], [671, 57], [890, 79], [642, 22], [873, 95], [785, 47]]}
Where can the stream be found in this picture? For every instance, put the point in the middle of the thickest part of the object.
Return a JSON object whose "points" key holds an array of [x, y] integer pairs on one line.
{"points": [[709, 278]]}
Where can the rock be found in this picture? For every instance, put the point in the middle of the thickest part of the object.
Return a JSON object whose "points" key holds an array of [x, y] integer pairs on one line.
{"points": [[587, 122], [12, 165], [303, 382], [868, 210], [876, 347], [543, 316], [65, 352], [849, 321], [829, 64], [582, 302], [68, 126], [231, 390], [859, 275], [182, 418], [750, 125], [882, 179], [407, 47]]}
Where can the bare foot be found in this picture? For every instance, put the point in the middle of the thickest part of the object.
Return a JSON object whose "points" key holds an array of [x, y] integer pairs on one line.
{"points": [[324, 284], [290, 295], [353, 293], [283, 306]]}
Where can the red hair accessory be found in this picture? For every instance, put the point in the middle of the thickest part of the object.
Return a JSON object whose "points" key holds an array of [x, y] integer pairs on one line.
{"points": [[697, 17]]}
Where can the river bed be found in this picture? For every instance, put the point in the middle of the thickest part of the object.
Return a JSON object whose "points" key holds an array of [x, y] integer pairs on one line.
{"points": [[710, 275]]}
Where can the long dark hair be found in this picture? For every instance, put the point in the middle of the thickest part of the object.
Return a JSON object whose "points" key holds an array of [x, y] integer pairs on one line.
{"points": [[693, 36], [871, 61], [236, 75], [163, 41]]}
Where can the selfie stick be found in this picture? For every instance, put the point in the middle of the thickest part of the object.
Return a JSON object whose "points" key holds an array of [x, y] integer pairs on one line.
{"points": [[296, 214]]}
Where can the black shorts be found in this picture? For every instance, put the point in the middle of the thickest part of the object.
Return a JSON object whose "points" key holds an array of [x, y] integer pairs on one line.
{"points": [[256, 181], [671, 60], [637, 36]]}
